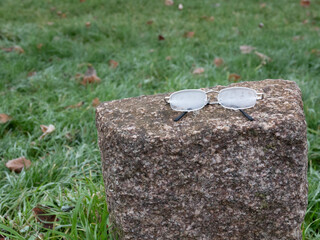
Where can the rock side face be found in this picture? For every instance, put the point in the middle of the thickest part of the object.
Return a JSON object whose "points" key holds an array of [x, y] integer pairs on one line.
{"points": [[211, 175]]}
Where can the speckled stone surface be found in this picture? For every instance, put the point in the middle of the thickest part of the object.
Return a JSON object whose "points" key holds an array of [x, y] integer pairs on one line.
{"points": [[212, 175]]}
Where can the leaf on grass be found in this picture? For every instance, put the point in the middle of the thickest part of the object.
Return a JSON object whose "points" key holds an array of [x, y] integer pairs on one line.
{"points": [[46, 130], [198, 70], [315, 52], [150, 22], [79, 104], [264, 58], [90, 76], [296, 38], [88, 24], [180, 7], [39, 46], [50, 23], [18, 164], [161, 38], [43, 216], [17, 49], [218, 62], [168, 2], [305, 3], [189, 34], [263, 5], [82, 1], [233, 77], [168, 58], [113, 64], [4, 118], [210, 19], [245, 49], [95, 102], [31, 74]]}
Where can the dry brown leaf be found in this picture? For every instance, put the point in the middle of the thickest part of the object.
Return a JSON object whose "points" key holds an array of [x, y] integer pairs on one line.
{"points": [[46, 130], [296, 38], [79, 104], [50, 23], [168, 2], [168, 58], [17, 49], [305, 3], [90, 76], [88, 24], [113, 64], [211, 18], [150, 22], [59, 13], [180, 7], [4, 118], [18, 164], [161, 38], [263, 5], [218, 62], [3, 237], [31, 74], [306, 21], [316, 52], [95, 102], [245, 49], [44, 216], [39, 46], [189, 34], [264, 58], [64, 15], [233, 77], [198, 70]]}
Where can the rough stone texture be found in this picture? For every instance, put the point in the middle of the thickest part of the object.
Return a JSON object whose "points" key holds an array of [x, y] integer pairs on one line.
{"points": [[212, 175]]}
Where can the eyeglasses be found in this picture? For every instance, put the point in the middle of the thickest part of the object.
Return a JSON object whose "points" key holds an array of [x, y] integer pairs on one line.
{"points": [[236, 98]]}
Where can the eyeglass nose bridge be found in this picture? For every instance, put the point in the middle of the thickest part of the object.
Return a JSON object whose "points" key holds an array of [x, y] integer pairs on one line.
{"points": [[212, 91]]}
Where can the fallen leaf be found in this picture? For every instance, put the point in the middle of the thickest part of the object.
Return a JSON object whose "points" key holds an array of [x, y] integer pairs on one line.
{"points": [[316, 52], [31, 74], [211, 18], [59, 13], [233, 77], [39, 46], [168, 2], [79, 104], [151, 50], [261, 25], [264, 58], [50, 23], [18, 164], [296, 38], [90, 76], [305, 3], [263, 5], [17, 49], [161, 38], [95, 102], [53, 9], [245, 49], [82, 1], [64, 15], [198, 70], [4, 118], [113, 64], [150, 22], [46, 130], [218, 62], [180, 7], [43, 216], [189, 34], [168, 58], [305, 21], [88, 24]]}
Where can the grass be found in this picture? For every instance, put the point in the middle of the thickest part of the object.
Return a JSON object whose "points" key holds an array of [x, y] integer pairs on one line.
{"points": [[66, 164]]}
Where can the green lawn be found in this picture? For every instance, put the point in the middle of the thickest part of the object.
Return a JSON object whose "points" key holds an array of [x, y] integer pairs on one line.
{"points": [[58, 45]]}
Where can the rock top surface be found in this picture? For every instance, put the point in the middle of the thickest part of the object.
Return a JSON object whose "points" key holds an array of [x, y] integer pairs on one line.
{"points": [[211, 175]]}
